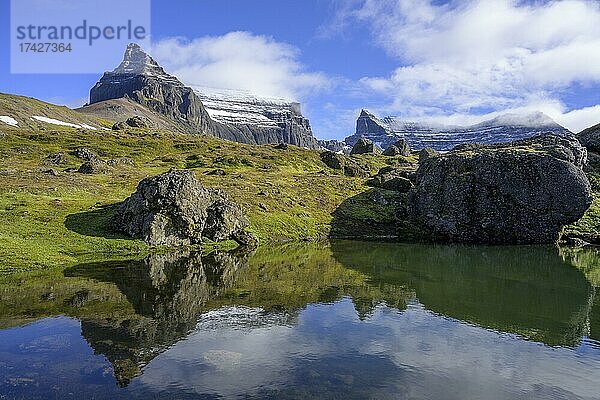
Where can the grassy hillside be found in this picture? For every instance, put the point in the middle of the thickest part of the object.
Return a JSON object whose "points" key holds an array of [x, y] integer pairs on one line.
{"points": [[22, 108], [52, 217]]}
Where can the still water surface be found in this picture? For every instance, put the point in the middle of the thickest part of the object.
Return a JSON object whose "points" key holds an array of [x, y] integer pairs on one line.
{"points": [[339, 320]]}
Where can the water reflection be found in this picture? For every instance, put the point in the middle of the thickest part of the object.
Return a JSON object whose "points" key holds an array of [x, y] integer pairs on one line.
{"points": [[320, 320], [167, 292], [526, 290]]}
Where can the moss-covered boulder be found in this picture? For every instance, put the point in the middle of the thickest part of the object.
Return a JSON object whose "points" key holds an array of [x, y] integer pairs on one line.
{"points": [[400, 148], [175, 209], [519, 192], [365, 146]]}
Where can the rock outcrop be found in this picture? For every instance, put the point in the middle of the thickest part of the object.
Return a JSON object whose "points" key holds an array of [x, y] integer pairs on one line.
{"points": [[245, 119], [384, 132], [132, 122], [590, 138], [175, 209], [519, 192], [426, 153], [400, 148], [365, 146], [347, 165], [398, 179], [95, 166]]}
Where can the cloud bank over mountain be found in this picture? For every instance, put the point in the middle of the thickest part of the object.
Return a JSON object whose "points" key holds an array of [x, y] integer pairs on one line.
{"points": [[241, 61], [461, 60]]}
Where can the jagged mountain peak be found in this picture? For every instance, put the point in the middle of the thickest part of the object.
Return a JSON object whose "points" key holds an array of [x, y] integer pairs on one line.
{"points": [[366, 113], [241, 117], [137, 62]]}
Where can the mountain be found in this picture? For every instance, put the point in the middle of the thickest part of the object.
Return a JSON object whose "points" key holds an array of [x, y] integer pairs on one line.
{"points": [[267, 119], [504, 128], [230, 115]]}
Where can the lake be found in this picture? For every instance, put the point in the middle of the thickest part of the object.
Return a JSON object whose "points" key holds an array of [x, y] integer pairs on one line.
{"points": [[339, 320]]}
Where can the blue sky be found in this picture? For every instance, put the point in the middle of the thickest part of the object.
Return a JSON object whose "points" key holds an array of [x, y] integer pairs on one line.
{"points": [[454, 62]]}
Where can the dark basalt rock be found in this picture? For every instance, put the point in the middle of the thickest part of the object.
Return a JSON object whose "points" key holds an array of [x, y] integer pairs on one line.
{"points": [[344, 163], [590, 138], [175, 209], [394, 178], [355, 170], [94, 167], [217, 171], [427, 153], [133, 122], [281, 146], [519, 192], [333, 160], [85, 154], [120, 162], [365, 146], [54, 159], [400, 148], [137, 122]]}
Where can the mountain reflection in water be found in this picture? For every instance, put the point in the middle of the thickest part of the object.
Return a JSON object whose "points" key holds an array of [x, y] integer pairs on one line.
{"points": [[166, 291], [178, 315]]}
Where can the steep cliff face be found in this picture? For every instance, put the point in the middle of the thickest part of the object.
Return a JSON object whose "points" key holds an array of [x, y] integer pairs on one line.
{"points": [[245, 119], [505, 128], [142, 80], [265, 119]]}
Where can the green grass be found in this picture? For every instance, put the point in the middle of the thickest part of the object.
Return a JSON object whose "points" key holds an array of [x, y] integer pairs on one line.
{"points": [[589, 225], [51, 221], [48, 221]]}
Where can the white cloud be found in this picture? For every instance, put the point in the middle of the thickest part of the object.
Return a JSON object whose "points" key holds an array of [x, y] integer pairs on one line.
{"points": [[239, 60], [578, 120], [460, 58]]}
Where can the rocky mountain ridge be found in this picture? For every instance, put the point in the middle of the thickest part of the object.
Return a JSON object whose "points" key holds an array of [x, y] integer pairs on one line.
{"points": [[141, 79], [504, 128]]}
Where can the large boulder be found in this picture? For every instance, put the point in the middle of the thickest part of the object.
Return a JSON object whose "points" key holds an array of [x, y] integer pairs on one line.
{"points": [[393, 178], [133, 122], [427, 153], [175, 209], [365, 146], [519, 192], [85, 154], [349, 166], [94, 167], [399, 148], [333, 160]]}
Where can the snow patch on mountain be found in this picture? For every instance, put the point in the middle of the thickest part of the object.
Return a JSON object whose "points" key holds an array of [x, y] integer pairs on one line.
{"points": [[244, 108], [9, 120], [61, 123], [504, 128]]}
